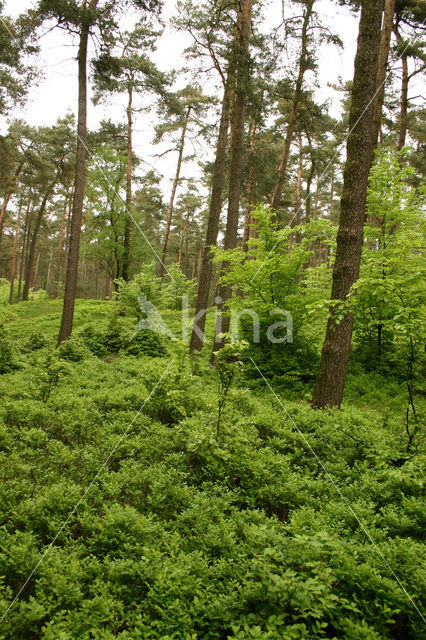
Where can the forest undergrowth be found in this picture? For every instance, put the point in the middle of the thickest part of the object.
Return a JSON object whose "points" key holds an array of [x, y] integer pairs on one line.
{"points": [[151, 520]]}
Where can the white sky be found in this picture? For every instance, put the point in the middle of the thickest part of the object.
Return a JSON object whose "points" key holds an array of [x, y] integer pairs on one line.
{"points": [[57, 92]]}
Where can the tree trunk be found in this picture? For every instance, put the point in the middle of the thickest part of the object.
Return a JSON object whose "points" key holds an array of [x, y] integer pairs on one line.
{"points": [[404, 95], [250, 185], [205, 266], [49, 267], [23, 250], [309, 185], [276, 193], [298, 213], [382, 66], [184, 238], [36, 270], [128, 222], [173, 194], [10, 193], [360, 147], [79, 188], [236, 159], [34, 239], [15, 246], [60, 247]]}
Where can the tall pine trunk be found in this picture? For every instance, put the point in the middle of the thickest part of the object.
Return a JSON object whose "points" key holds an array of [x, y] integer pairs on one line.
{"points": [[236, 160], [250, 185], [403, 125], [60, 247], [173, 194], [276, 193], [34, 239], [15, 246], [128, 223], [23, 250], [360, 147], [79, 188], [382, 65], [205, 275]]}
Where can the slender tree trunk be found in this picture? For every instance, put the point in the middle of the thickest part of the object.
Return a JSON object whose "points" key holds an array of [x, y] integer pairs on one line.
{"points": [[360, 147], [250, 185], [36, 270], [128, 222], [60, 247], [173, 194], [15, 246], [298, 212], [79, 189], [236, 160], [404, 95], [34, 239], [205, 266], [3, 212], [184, 237], [316, 245], [276, 193], [382, 65], [9, 195], [308, 188], [23, 250], [331, 192], [316, 200], [49, 267]]}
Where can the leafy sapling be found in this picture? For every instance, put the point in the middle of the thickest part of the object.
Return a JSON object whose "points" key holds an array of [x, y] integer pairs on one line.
{"points": [[228, 363], [54, 371]]}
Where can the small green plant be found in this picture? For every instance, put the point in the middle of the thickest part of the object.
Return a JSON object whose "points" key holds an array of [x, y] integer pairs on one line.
{"points": [[146, 343], [7, 356], [228, 363], [53, 372], [73, 350], [37, 340], [93, 340]]}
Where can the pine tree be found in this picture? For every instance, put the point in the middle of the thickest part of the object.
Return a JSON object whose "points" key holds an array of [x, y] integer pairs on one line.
{"points": [[360, 146]]}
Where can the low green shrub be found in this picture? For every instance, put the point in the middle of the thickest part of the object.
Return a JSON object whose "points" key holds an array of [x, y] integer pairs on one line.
{"points": [[8, 361], [37, 340], [73, 350], [148, 343]]}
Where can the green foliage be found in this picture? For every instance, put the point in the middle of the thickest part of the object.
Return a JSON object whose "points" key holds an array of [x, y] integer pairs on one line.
{"points": [[227, 362], [388, 298], [73, 350], [5, 310], [52, 373], [274, 281], [145, 283], [390, 291], [147, 343], [103, 341], [167, 294], [37, 340], [186, 534], [7, 353], [176, 286]]}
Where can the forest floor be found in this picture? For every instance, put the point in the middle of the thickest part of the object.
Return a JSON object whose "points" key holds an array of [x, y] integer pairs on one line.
{"points": [[126, 512]]}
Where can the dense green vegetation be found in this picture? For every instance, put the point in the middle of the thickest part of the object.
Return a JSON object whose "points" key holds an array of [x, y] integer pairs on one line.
{"points": [[163, 527], [211, 367]]}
